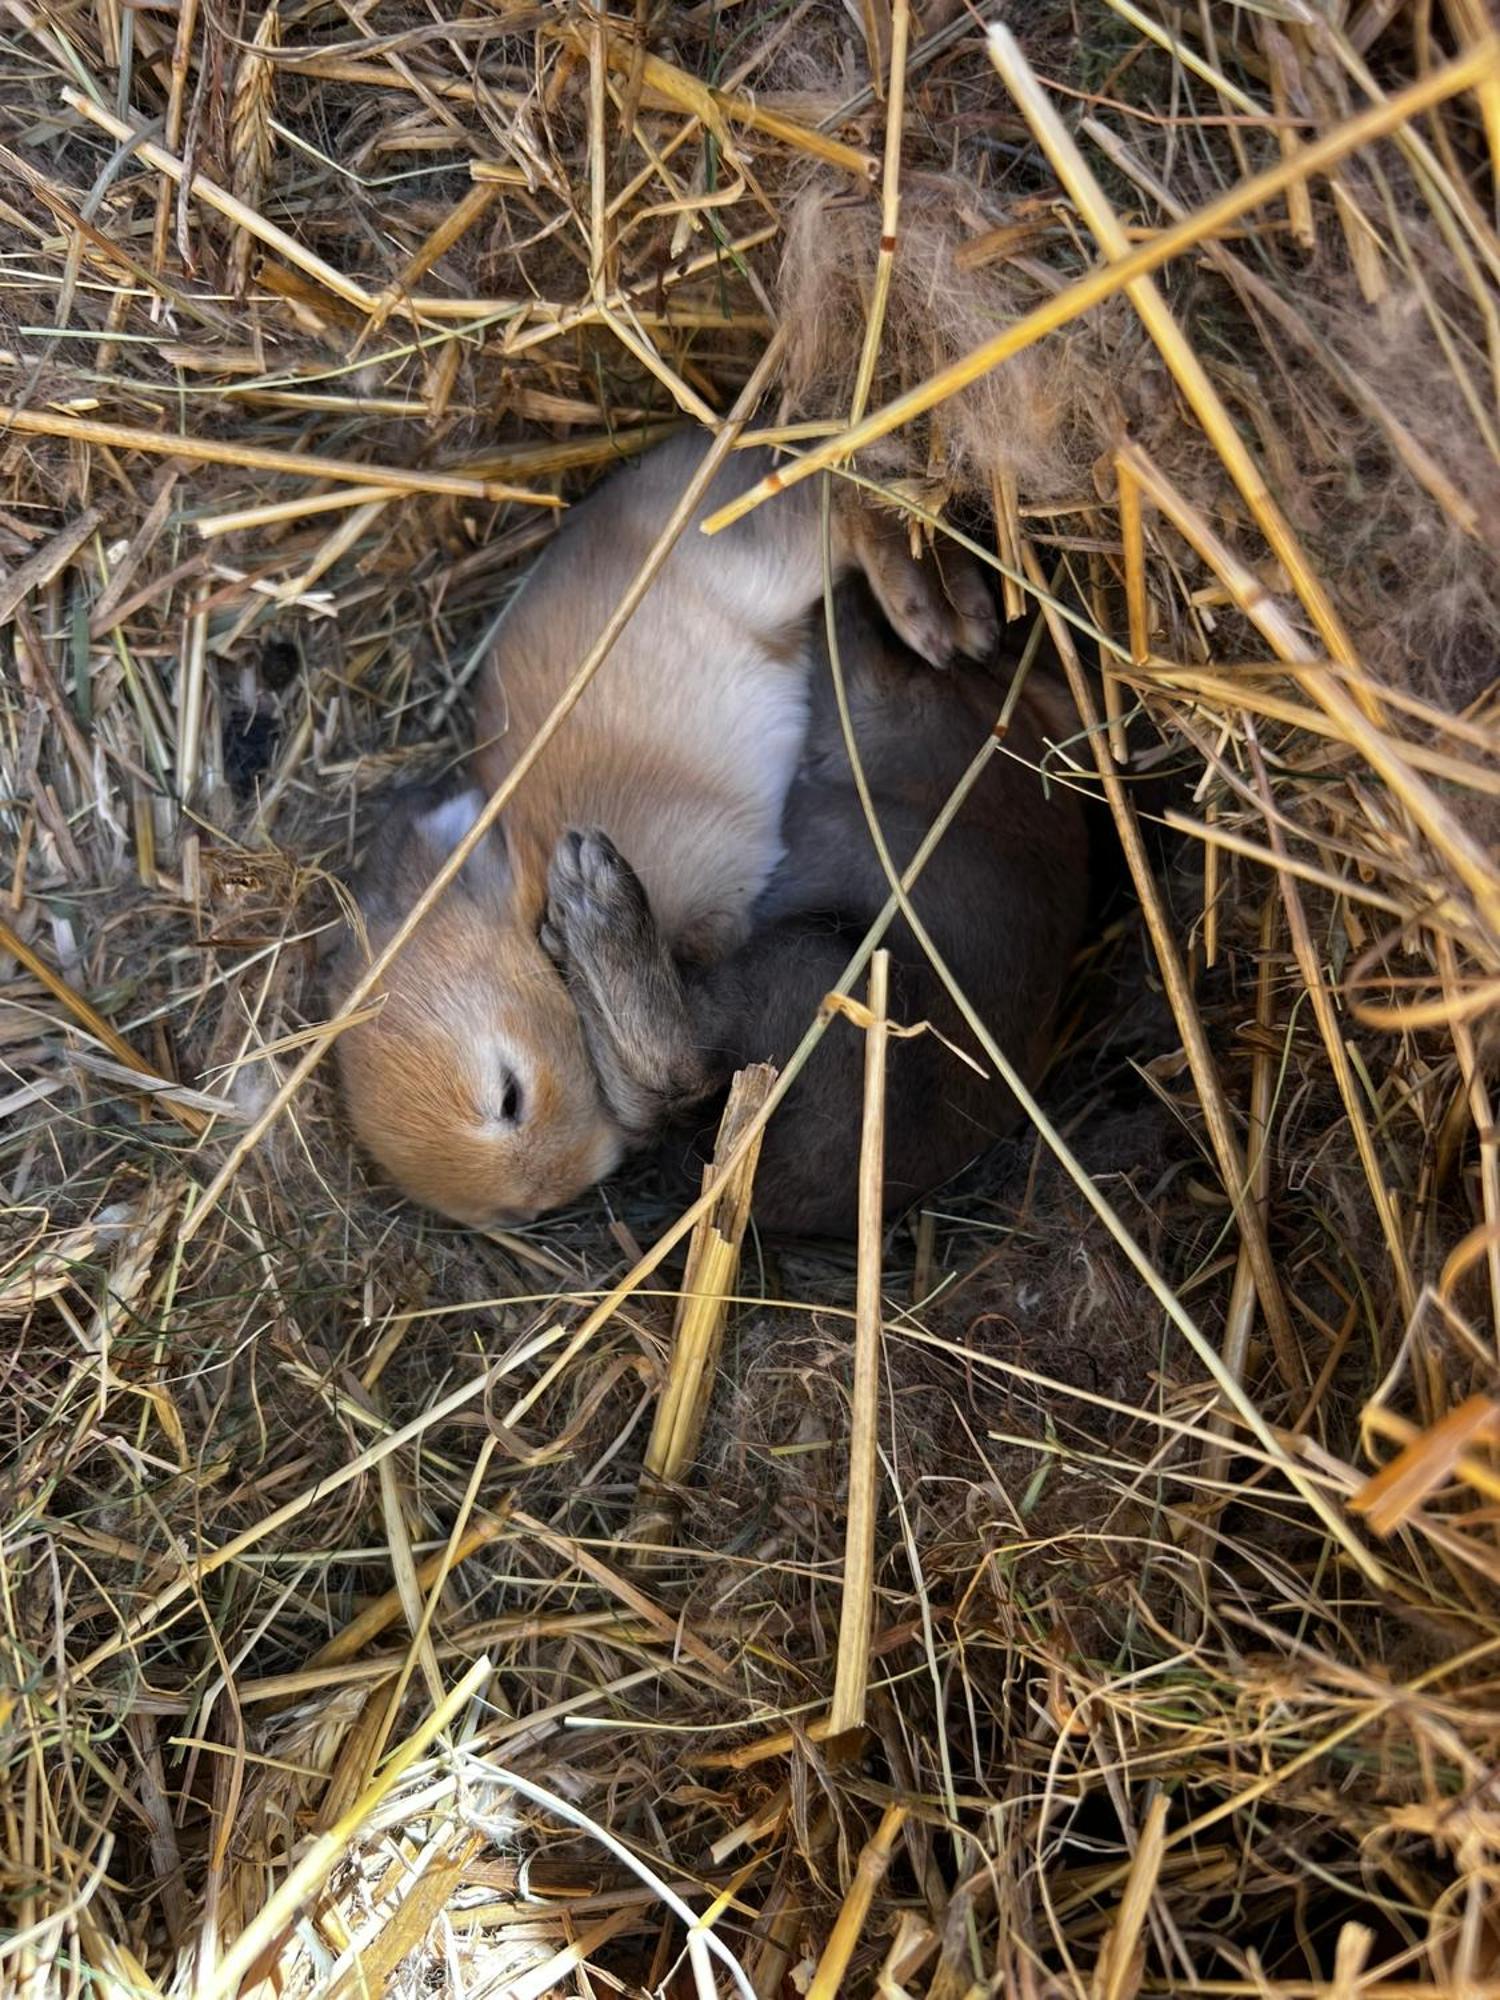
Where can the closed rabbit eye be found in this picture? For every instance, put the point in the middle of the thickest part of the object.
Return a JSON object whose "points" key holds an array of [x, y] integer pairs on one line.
{"points": [[498, 1093], [501, 1100]]}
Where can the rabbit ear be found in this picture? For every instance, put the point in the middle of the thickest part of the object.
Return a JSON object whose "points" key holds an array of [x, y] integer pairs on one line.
{"points": [[443, 825], [421, 827], [486, 873]]}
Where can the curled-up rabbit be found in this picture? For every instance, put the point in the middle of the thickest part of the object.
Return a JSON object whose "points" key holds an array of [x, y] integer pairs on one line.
{"points": [[1003, 899], [473, 1086]]}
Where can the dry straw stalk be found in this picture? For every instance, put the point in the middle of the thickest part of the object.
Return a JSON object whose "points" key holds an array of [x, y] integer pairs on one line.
{"points": [[857, 1609], [708, 1284], [345, 1640]]}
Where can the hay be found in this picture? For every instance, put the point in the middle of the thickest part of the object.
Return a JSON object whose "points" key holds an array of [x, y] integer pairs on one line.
{"points": [[328, 1661]]}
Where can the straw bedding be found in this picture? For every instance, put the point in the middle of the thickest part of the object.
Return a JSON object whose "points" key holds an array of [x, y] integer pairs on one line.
{"points": [[352, 1637]]}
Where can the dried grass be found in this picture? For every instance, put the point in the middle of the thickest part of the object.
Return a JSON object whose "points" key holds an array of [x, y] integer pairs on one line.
{"points": [[339, 1649]]}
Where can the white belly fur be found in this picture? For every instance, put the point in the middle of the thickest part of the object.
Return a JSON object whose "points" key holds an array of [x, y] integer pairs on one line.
{"points": [[702, 827], [685, 743]]}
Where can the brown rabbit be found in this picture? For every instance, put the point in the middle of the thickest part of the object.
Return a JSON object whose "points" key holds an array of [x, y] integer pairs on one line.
{"points": [[473, 1086], [1003, 899]]}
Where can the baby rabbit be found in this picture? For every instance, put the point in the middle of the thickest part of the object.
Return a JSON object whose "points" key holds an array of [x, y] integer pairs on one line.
{"points": [[473, 1086], [1003, 898]]}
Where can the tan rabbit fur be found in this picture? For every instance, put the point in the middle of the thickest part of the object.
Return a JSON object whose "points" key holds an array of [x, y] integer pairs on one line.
{"points": [[473, 1087]]}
